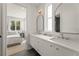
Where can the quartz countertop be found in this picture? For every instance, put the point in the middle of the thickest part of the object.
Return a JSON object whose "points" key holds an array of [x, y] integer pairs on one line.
{"points": [[73, 45]]}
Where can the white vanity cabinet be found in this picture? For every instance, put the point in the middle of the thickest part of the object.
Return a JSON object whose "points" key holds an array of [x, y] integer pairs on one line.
{"points": [[47, 48], [37, 45], [51, 49], [34, 42], [42, 46], [64, 51]]}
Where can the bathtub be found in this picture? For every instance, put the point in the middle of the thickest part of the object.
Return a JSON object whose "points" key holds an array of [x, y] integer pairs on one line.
{"points": [[13, 39]]}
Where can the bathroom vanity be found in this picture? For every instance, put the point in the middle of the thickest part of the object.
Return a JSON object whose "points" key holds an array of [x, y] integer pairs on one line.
{"points": [[53, 46]]}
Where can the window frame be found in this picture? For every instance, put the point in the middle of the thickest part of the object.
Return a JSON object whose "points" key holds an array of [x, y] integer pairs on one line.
{"points": [[49, 18], [10, 18]]}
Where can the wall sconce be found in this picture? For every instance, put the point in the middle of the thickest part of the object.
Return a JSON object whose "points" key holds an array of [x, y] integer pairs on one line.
{"points": [[40, 12]]}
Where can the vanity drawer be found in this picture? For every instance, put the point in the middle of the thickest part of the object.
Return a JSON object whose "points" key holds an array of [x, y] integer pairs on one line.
{"points": [[47, 48], [63, 51]]}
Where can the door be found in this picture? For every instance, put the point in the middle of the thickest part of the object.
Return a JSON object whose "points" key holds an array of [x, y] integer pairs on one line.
{"points": [[57, 23]]}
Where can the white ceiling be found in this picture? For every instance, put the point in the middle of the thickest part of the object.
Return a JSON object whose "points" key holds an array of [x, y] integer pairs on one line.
{"points": [[32, 4], [16, 11]]}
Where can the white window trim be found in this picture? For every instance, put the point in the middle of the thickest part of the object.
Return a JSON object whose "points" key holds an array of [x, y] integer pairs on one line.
{"points": [[15, 24], [46, 19]]}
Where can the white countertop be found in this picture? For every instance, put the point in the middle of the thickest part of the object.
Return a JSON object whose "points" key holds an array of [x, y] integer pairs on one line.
{"points": [[42, 36], [63, 42]]}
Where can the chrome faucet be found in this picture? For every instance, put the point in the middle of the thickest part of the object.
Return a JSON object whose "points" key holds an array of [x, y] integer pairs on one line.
{"points": [[62, 36]]}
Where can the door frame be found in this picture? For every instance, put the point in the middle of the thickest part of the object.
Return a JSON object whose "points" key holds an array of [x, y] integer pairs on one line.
{"points": [[4, 27], [4, 14]]}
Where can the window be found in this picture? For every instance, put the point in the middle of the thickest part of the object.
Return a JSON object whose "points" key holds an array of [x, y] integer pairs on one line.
{"points": [[49, 17], [14, 24], [17, 25], [12, 27]]}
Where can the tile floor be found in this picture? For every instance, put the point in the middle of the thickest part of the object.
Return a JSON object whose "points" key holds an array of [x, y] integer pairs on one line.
{"points": [[20, 50], [17, 48], [30, 52], [14, 49]]}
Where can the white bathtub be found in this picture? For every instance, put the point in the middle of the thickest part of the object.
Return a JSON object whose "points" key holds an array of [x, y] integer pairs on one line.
{"points": [[12, 39]]}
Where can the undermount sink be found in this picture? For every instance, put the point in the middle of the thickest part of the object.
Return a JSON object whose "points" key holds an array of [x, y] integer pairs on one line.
{"points": [[50, 35], [60, 38]]}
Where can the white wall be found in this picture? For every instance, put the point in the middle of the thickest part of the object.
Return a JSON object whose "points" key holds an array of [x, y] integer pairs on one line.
{"points": [[31, 23], [16, 11]]}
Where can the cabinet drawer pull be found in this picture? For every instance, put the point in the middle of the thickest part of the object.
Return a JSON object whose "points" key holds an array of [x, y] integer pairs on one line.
{"points": [[50, 45], [57, 48], [38, 41]]}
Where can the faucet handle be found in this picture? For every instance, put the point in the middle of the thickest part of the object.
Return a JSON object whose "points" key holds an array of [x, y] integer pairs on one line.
{"points": [[62, 36]]}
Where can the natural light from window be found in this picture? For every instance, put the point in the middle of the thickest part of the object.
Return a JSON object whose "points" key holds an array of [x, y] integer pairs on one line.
{"points": [[49, 17]]}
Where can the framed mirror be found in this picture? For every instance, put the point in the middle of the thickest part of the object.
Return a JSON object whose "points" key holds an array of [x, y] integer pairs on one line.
{"points": [[66, 18]]}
